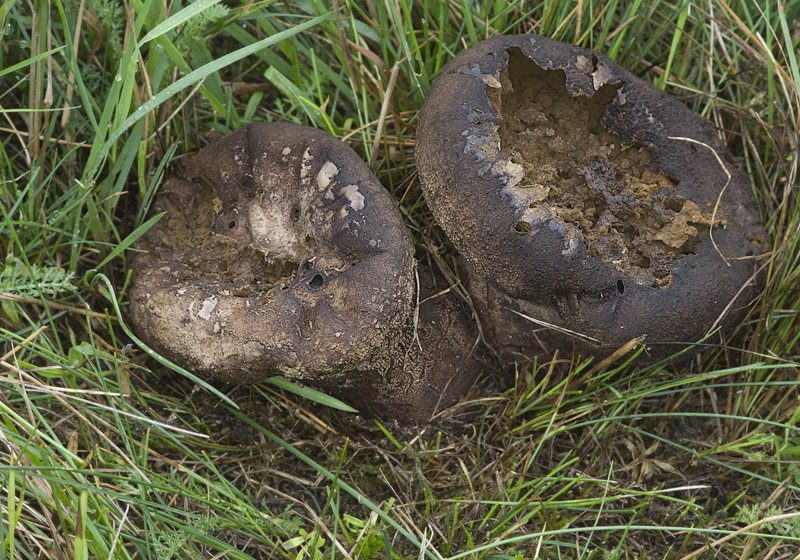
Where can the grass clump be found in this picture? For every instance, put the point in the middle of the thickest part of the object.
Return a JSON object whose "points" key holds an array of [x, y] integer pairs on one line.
{"points": [[108, 453]]}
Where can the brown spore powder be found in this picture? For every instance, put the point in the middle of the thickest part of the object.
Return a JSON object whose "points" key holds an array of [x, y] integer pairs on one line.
{"points": [[581, 172]]}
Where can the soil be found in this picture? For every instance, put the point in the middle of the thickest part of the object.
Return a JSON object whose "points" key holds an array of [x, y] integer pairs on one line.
{"points": [[220, 244], [583, 174]]}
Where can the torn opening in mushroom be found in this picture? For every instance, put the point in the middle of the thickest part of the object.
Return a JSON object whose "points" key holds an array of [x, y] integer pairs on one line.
{"points": [[577, 171], [562, 181]]}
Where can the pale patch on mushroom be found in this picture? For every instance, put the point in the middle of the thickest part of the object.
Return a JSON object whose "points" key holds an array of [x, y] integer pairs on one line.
{"points": [[515, 173], [602, 76], [326, 174], [356, 198], [271, 227], [208, 307], [305, 165]]}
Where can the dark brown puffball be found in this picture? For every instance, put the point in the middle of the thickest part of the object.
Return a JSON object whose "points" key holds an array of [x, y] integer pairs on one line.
{"points": [[570, 188], [281, 254]]}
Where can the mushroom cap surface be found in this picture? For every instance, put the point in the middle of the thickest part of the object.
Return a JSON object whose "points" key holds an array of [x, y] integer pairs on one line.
{"points": [[280, 254], [585, 192]]}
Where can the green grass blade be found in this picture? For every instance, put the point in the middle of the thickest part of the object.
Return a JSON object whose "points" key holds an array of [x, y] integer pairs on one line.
{"points": [[192, 78], [310, 394], [175, 20], [28, 61], [130, 240], [676, 40]]}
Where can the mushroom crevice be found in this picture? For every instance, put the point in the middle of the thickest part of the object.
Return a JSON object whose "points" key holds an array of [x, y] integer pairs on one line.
{"points": [[566, 185], [581, 174]]}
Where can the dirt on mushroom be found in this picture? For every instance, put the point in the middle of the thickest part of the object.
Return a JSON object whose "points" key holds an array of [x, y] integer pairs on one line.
{"points": [[583, 174], [211, 244]]}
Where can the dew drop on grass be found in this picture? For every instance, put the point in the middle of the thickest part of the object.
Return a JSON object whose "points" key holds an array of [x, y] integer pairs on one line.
{"points": [[23, 44], [118, 78], [159, 48], [9, 28]]}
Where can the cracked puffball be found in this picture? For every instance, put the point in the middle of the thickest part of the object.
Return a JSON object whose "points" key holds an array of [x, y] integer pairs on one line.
{"points": [[584, 198], [281, 254]]}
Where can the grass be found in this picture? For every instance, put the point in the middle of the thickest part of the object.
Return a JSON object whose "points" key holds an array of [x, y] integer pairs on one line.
{"points": [[106, 452]]}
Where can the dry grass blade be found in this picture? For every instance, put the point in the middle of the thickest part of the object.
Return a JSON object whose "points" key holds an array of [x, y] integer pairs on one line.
{"points": [[746, 529], [721, 191], [580, 336], [56, 305], [387, 97]]}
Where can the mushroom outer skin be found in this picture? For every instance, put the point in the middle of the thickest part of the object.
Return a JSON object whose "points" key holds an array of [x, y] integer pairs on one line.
{"points": [[534, 252], [434, 371], [282, 254]]}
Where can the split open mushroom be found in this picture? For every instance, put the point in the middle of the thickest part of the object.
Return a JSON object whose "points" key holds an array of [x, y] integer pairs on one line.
{"points": [[585, 198], [282, 254]]}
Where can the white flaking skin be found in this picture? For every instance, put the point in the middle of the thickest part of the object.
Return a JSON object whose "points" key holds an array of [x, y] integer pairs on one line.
{"points": [[326, 174], [208, 307], [305, 165], [356, 198]]}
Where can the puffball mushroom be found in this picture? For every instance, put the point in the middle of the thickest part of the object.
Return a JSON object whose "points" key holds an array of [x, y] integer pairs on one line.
{"points": [[583, 197], [281, 254]]}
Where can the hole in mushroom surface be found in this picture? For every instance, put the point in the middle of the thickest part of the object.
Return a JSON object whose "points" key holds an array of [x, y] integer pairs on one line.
{"points": [[316, 282], [626, 210], [620, 287], [246, 181]]}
